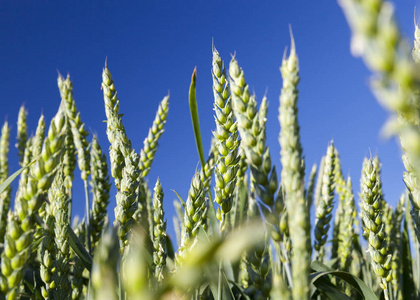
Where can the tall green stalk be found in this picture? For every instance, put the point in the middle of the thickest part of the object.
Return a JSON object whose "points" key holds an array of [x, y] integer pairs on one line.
{"points": [[293, 174]]}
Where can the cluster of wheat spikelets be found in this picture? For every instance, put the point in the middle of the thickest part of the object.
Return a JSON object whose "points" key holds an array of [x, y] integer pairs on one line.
{"points": [[247, 235]]}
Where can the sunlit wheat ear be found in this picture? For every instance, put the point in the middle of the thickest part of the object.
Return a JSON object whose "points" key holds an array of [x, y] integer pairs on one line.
{"points": [[345, 247], [120, 143], [227, 139], [69, 159], [58, 199], [257, 154], [27, 157], [21, 226], [5, 197], [159, 233], [341, 190], [373, 226], [257, 262], [395, 241], [397, 80], [22, 133], [124, 163], [78, 287], [100, 188], [206, 174], [78, 129], [194, 216], [309, 197], [293, 173], [48, 247], [326, 203], [318, 185], [384, 51], [79, 134], [38, 139], [150, 143], [411, 176]]}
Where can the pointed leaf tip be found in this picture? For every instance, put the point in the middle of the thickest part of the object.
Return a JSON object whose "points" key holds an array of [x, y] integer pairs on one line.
{"points": [[194, 75]]}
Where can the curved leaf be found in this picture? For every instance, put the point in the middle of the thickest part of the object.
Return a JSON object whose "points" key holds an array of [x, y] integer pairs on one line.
{"points": [[354, 281]]}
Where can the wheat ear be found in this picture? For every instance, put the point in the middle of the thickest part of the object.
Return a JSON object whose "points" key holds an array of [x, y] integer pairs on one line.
{"points": [[293, 173], [5, 197], [326, 203], [150, 143], [100, 187], [373, 225], [22, 133], [227, 142], [124, 163]]}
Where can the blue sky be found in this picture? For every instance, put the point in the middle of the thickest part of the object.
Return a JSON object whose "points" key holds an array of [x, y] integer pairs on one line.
{"points": [[152, 47]]}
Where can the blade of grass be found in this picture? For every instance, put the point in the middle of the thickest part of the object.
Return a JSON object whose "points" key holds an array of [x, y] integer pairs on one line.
{"points": [[194, 117], [197, 133], [325, 287], [407, 276], [355, 282], [78, 248], [12, 177], [180, 200]]}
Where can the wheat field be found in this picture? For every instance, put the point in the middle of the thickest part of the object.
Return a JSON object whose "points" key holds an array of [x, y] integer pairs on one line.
{"points": [[250, 227]]}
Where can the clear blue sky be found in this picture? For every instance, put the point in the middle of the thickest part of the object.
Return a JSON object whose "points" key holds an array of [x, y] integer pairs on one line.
{"points": [[152, 47]]}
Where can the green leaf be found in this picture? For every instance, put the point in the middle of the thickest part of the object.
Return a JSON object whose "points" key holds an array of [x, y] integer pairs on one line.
{"points": [[197, 134], [194, 117], [12, 177], [354, 281], [180, 200], [407, 288], [324, 286], [170, 247], [78, 248]]}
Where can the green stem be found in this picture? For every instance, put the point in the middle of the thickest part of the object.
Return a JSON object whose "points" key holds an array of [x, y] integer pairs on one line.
{"points": [[418, 263], [70, 193], [219, 285], [87, 217]]}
